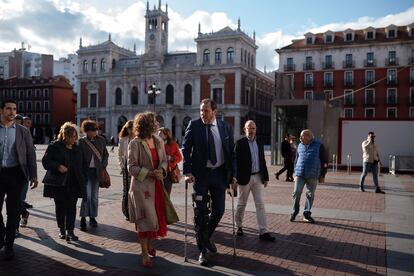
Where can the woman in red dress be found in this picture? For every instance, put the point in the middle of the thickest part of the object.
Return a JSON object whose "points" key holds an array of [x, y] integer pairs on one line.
{"points": [[147, 164]]}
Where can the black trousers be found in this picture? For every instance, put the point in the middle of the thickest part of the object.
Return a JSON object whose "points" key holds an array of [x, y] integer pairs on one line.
{"points": [[11, 184], [66, 212], [126, 180], [287, 166]]}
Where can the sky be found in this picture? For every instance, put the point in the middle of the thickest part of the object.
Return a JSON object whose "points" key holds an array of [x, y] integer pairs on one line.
{"points": [[55, 26]]}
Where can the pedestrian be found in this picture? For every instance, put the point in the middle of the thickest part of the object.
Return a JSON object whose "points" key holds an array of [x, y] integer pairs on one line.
{"points": [[125, 136], [112, 141], [94, 151], [18, 164], [310, 156], [208, 150], [293, 149], [173, 155], [252, 176], [65, 178], [287, 159], [147, 164], [371, 159]]}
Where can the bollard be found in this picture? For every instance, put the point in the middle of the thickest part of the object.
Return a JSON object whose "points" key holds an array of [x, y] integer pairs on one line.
{"points": [[334, 163], [349, 163]]}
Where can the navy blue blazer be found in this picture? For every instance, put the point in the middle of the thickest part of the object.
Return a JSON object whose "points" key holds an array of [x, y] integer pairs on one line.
{"points": [[195, 149]]}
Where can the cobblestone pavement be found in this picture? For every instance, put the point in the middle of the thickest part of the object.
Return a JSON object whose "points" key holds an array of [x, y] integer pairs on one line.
{"points": [[355, 233]]}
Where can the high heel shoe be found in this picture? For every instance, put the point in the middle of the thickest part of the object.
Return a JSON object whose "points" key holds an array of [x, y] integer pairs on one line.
{"points": [[148, 263], [152, 252]]}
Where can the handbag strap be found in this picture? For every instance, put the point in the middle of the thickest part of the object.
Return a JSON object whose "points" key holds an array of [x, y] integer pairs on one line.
{"points": [[94, 149]]}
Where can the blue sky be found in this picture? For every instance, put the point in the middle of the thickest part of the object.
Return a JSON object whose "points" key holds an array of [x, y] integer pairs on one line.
{"points": [[55, 26]]}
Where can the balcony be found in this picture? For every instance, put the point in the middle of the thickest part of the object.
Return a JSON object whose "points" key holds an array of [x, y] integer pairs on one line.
{"points": [[328, 65], [328, 84], [392, 82], [391, 61], [348, 64], [308, 84], [349, 83], [370, 63], [289, 67], [309, 66], [369, 82]]}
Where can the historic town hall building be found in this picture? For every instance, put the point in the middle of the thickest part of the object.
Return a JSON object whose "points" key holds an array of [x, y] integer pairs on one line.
{"points": [[114, 82]]}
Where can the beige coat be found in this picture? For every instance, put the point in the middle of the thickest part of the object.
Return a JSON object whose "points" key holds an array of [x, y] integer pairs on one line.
{"points": [[141, 194], [369, 151]]}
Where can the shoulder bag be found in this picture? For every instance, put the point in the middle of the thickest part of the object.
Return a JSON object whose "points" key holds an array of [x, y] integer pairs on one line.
{"points": [[104, 178]]}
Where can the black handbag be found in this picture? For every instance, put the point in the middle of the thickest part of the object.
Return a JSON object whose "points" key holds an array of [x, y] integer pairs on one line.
{"points": [[53, 179]]}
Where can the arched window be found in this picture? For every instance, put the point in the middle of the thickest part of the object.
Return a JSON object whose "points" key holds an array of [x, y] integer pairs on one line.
{"points": [[245, 57], [85, 66], [230, 55], [118, 96], [113, 63], [134, 95], [217, 56], [169, 96], [206, 57], [241, 55], [251, 61], [248, 60], [102, 65], [186, 122], [94, 66], [188, 94]]}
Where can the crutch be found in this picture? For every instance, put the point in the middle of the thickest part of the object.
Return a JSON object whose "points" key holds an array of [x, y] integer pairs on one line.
{"points": [[185, 227], [232, 217]]}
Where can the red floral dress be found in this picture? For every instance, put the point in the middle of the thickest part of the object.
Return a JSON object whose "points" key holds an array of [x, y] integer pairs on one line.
{"points": [[159, 206]]}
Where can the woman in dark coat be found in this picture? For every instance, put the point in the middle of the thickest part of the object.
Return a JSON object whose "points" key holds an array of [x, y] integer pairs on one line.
{"points": [[65, 180]]}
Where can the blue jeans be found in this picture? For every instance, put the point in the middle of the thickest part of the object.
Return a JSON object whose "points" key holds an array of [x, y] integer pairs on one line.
{"points": [[89, 207], [365, 169], [310, 193]]}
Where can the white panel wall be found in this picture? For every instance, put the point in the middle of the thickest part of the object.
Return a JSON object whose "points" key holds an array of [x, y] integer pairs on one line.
{"points": [[392, 138]]}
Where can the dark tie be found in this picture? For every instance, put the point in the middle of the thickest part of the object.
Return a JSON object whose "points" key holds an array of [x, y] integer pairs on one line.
{"points": [[211, 147]]}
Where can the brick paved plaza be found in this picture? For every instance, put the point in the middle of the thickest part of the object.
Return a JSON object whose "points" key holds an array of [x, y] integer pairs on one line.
{"points": [[356, 233]]}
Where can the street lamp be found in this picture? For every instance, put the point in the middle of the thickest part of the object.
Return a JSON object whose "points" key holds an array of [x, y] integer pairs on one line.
{"points": [[154, 90]]}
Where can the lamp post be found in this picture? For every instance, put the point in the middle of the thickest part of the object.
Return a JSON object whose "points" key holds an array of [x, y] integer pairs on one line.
{"points": [[154, 90]]}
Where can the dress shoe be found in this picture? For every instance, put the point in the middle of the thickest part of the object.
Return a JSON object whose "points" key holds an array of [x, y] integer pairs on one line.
{"points": [[211, 246], [83, 224], [70, 236], [16, 234], [289, 180], [152, 252], [8, 253], [202, 259], [93, 222], [308, 218], [62, 233], [293, 216], [27, 205], [240, 231], [266, 237], [277, 176], [379, 191], [25, 218], [361, 189]]}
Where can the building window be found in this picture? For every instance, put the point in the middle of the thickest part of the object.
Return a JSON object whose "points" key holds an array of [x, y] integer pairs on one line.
{"points": [[411, 111], [134, 95], [20, 107], [349, 78], [46, 119], [46, 106], [392, 96], [328, 39], [21, 94], [369, 113], [348, 37], [188, 94], [29, 106], [328, 62], [85, 66], [412, 56], [245, 57], [328, 79], [412, 96], [38, 119], [218, 95], [37, 107], [37, 92], [348, 61], [102, 65], [348, 113], [308, 80], [118, 96], [391, 34], [392, 58], [289, 64], [370, 35], [391, 112], [369, 97], [308, 63], [29, 94], [230, 55], [248, 60], [46, 93], [206, 57], [92, 100], [370, 59], [93, 65], [309, 95], [369, 77], [328, 94], [349, 97], [309, 40], [169, 94], [217, 56], [412, 75], [392, 76]]}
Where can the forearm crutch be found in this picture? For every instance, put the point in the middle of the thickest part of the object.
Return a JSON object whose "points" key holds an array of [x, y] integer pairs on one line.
{"points": [[185, 227], [232, 217]]}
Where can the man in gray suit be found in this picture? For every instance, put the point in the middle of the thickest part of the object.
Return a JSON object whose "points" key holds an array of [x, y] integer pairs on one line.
{"points": [[18, 163]]}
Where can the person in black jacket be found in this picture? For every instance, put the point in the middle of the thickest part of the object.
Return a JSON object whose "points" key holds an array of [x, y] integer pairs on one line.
{"points": [[252, 175], [287, 159], [65, 178]]}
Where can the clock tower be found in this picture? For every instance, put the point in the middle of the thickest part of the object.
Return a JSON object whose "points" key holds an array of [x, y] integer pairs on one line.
{"points": [[156, 31]]}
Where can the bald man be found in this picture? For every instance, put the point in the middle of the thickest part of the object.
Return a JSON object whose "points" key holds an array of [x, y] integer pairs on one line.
{"points": [[310, 157]]}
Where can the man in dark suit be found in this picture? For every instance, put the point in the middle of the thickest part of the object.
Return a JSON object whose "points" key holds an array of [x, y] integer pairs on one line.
{"points": [[18, 163], [251, 175], [208, 147]]}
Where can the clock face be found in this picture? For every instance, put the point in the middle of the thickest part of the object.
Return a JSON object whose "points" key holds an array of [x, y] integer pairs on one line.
{"points": [[152, 37]]}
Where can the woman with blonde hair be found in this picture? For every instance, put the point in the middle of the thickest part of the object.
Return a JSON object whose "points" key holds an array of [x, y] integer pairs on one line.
{"points": [[65, 179], [125, 136], [173, 155], [147, 164]]}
